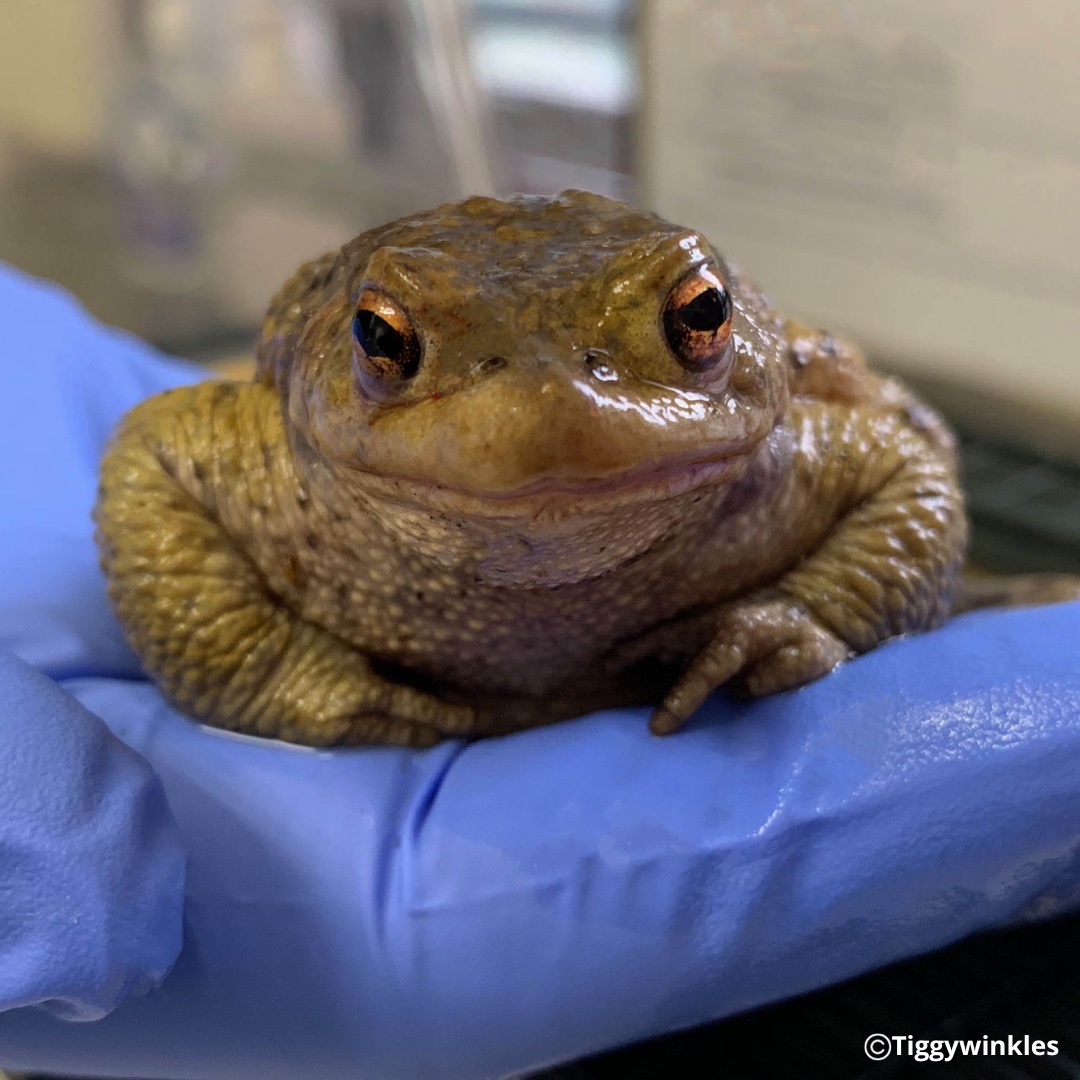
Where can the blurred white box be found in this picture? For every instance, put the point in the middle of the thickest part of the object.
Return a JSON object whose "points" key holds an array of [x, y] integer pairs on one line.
{"points": [[907, 171]]}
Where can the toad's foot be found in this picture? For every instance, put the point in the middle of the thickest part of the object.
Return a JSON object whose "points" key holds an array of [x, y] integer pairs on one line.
{"points": [[773, 644]]}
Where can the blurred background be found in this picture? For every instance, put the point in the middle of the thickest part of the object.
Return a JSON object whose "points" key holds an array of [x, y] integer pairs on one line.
{"points": [[172, 161], [905, 171]]}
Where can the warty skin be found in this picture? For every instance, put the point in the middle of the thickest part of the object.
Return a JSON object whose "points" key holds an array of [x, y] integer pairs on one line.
{"points": [[506, 462]]}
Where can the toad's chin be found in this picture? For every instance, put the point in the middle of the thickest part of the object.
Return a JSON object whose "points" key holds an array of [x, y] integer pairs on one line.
{"points": [[555, 532]]}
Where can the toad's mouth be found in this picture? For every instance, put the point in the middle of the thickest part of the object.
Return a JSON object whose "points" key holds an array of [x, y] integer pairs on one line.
{"points": [[562, 495], [640, 479]]}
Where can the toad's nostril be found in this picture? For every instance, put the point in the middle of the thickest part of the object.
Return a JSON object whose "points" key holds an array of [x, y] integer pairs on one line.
{"points": [[600, 366], [490, 364]]}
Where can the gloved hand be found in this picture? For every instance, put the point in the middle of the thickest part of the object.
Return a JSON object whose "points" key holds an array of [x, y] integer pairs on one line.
{"points": [[91, 867], [480, 909]]}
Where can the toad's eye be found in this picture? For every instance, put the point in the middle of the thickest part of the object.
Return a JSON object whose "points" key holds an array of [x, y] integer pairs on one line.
{"points": [[697, 320], [386, 346]]}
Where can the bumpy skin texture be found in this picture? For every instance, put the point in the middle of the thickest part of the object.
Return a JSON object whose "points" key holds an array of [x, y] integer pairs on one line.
{"points": [[550, 514]]}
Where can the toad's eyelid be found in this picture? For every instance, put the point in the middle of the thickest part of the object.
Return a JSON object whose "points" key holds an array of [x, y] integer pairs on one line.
{"points": [[659, 266], [379, 303], [712, 277], [402, 270]]}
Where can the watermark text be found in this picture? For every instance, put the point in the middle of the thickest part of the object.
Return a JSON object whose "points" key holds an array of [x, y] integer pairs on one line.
{"points": [[880, 1047]]}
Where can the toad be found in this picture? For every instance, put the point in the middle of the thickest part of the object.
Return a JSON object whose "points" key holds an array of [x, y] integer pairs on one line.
{"points": [[506, 462]]}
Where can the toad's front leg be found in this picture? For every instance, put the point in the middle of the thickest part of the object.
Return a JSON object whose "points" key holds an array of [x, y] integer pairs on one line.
{"points": [[189, 473], [886, 500]]}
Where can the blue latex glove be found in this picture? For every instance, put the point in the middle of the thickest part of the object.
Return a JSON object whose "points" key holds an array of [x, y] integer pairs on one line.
{"points": [[91, 868], [480, 909]]}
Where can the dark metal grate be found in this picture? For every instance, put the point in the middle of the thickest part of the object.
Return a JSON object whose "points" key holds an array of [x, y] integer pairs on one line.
{"points": [[1025, 510]]}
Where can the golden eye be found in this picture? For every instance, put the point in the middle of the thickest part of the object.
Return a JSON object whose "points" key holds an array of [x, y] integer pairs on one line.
{"points": [[697, 320], [387, 346]]}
